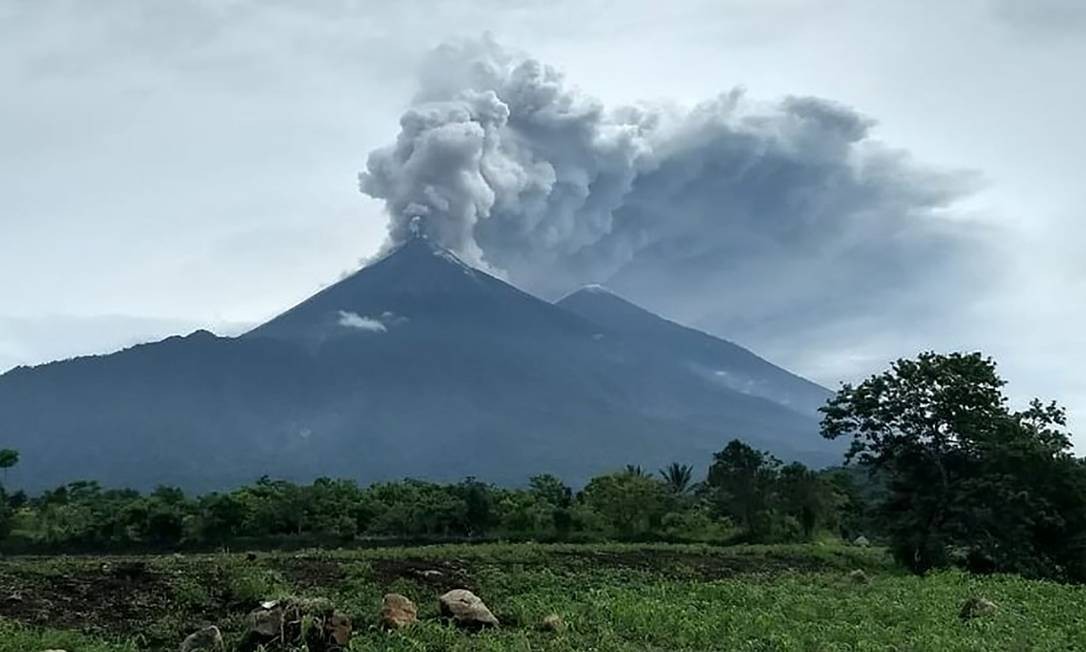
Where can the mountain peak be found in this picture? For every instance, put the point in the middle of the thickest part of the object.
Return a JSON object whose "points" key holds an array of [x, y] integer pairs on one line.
{"points": [[417, 286], [594, 297]]}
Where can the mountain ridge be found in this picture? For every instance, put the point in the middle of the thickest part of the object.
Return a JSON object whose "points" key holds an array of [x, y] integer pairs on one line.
{"points": [[416, 365]]}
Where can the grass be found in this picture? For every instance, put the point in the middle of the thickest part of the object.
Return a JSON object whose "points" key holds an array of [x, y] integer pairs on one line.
{"points": [[611, 597]]}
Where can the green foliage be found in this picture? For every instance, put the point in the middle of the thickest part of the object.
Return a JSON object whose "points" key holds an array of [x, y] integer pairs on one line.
{"points": [[771, 502], [969, 480], [678, 477], [630, 501], [613, 597], [628, 505], [8, 458], [743, 481]]}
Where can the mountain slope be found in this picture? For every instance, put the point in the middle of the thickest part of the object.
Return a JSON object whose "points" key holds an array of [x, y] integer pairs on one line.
{"points": [[717, 360], [415, 366]]}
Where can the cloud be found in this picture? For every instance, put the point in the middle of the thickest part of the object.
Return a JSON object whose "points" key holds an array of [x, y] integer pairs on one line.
{"points": [[354, 320], [734, 213]]}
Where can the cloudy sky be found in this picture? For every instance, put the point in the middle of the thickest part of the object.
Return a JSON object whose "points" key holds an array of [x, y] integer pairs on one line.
{"points": [[834, 184]]}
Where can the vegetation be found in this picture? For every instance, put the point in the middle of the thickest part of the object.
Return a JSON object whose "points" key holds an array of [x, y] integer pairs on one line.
{"points": [[610, 596], [980, 500], [969, 480], [627, 505]]}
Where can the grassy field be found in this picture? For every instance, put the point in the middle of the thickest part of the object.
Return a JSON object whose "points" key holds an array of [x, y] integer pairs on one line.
{"points": [[611, 597]]}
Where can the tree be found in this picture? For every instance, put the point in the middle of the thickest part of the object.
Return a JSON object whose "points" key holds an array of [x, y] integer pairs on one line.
{"points": [[8, 459], [742, 481], [478, 504], [678, 477], [632, 503], [550, 489], [806, 497], [964, 473]]}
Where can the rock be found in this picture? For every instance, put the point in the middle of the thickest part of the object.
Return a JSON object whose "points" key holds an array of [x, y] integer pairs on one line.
{"points": [[397, 612], [861, 541], [208, 639], [466, 609], [552, 623], [337, 629], [431, 574], [859, 577], [294, 623], [267, 621], [976, 608], [250, 556]]}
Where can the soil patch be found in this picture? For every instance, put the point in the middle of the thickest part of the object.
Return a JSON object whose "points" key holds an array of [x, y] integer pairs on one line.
{"points": [[111, 597], [437, 575], [310, 572]]}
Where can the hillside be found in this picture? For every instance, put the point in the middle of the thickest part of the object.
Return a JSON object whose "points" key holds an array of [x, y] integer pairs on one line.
{"points": [[417, 365]]}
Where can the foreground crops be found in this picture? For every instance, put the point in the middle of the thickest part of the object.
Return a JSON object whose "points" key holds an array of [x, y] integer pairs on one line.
{"points": [[611, 598]]}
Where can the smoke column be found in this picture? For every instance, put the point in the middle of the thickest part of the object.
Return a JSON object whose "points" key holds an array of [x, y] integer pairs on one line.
{"points": [[503, 162]]}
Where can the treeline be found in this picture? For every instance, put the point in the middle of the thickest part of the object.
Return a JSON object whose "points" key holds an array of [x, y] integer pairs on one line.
{"points": [[940, 469], [747, 495]]}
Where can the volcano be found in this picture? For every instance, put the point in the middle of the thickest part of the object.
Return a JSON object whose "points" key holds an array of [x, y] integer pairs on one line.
{"points": [[418, 365]]}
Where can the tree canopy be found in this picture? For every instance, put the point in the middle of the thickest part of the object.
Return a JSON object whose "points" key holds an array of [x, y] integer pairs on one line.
{"points": [[969, 479]]}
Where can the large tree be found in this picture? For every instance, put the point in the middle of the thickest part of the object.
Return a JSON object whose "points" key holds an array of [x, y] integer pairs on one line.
{"points": [[742, 482], [966, 475], [631, 501]]}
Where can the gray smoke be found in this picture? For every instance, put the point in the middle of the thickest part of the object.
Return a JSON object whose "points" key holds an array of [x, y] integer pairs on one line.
{"points": [[690, 210]]}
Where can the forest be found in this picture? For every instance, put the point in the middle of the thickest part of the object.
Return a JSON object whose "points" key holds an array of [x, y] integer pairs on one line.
{"points": [[940, 470]]}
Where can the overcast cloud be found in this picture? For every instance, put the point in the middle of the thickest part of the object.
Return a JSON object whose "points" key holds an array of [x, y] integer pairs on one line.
{"points": [[170, 165]]}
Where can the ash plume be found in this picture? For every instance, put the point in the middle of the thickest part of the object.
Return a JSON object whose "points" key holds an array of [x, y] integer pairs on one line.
{"points": [[502, 161]]}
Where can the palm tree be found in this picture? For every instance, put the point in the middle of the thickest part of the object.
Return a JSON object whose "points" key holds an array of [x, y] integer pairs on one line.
{"points": [[635, 471], [677, 477], [8, 459]]}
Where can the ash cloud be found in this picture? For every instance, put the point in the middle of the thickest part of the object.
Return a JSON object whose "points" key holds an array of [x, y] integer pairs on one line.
{"points": [[785, 208]]}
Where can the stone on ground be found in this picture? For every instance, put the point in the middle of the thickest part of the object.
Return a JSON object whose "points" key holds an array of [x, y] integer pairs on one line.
{"points": [[552, 623], [861, 541], [976, 608], [267, 621], [337, 630], [859, 577], [466, 609], [397, 612], [208, 639]]}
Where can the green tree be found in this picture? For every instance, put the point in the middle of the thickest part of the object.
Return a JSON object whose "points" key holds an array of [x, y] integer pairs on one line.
{"points": [[8, 459], [965, 474], [632, 503], [742, 481], [558, 497], [478, 506], [807, 498], [678, 477], [550, 489]]}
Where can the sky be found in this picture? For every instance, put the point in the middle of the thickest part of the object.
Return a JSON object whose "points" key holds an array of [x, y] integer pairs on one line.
{"points": [[833, 184]]}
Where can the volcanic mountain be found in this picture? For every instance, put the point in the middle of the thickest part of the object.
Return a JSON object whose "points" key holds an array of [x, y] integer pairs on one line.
{"points": [[416, 366]]}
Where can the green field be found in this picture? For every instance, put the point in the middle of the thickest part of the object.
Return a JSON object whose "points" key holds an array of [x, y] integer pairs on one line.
{"points": [[611, 597]]}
